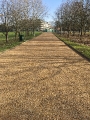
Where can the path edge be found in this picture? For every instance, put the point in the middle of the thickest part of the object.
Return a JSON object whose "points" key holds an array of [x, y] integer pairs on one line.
{"points": [[79, 53]]}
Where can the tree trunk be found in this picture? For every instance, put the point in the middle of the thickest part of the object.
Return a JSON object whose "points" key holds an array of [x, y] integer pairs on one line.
{"points": [[68, 33], [27, 32], [73, 33], [84, 31], [81, 32], [33, 31], [6, 35], [16, 35]]}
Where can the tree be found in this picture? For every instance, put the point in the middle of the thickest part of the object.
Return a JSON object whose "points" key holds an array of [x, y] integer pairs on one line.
{"points": [[23, 15], [5, 17], [75, 16], [20, 13], [37, 12]]}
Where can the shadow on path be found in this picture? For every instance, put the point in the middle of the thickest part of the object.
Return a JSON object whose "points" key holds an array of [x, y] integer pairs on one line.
{"points": [[43, 79]]}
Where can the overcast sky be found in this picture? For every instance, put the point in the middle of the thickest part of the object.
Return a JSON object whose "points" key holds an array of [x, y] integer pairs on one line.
{"points": [[52, 6]]}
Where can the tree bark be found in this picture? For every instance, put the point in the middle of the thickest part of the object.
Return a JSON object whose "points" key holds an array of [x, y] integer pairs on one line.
{"points": [[6, 35]]}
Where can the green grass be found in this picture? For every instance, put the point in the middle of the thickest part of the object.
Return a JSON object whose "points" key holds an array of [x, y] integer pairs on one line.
{"points": [[80, 48], [6, 46], [31, 36], [10, 36], [11, 41]]}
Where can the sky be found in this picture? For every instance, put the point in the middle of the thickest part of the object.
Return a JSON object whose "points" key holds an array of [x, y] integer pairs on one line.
{"points": [[52, 6]]}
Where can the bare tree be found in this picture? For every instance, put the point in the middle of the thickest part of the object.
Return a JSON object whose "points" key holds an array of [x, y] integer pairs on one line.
{"points": [[38, 11], [75, 16], [5, 17], [22, 15]]}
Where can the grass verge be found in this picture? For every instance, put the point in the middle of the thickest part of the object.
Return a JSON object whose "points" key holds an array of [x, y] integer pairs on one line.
{"points": [[12, 43], [81, 49]]}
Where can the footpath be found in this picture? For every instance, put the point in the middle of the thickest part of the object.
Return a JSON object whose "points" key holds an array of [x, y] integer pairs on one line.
{"points": [[43, 79]]}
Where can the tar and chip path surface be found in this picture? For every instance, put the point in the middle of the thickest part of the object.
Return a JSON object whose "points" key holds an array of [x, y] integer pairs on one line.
{"points": [[43, 79]]}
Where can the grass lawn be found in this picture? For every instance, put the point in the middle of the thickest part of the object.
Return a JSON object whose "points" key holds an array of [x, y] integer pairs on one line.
{"points": [[80, 48], [11, 40], [10, 36]]}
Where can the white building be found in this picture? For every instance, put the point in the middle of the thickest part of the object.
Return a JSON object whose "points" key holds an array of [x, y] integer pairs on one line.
{"points": [[45, 26]]}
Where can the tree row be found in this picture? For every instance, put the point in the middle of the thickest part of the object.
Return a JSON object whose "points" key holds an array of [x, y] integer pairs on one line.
{"points": [[73, 16], [21, 15]]}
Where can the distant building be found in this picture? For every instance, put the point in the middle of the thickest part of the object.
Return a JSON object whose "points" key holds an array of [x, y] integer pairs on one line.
{"points": [[45, 26]]}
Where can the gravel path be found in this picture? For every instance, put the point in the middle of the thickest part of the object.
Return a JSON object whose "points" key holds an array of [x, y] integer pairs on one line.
{"points": [[43, 79]]}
